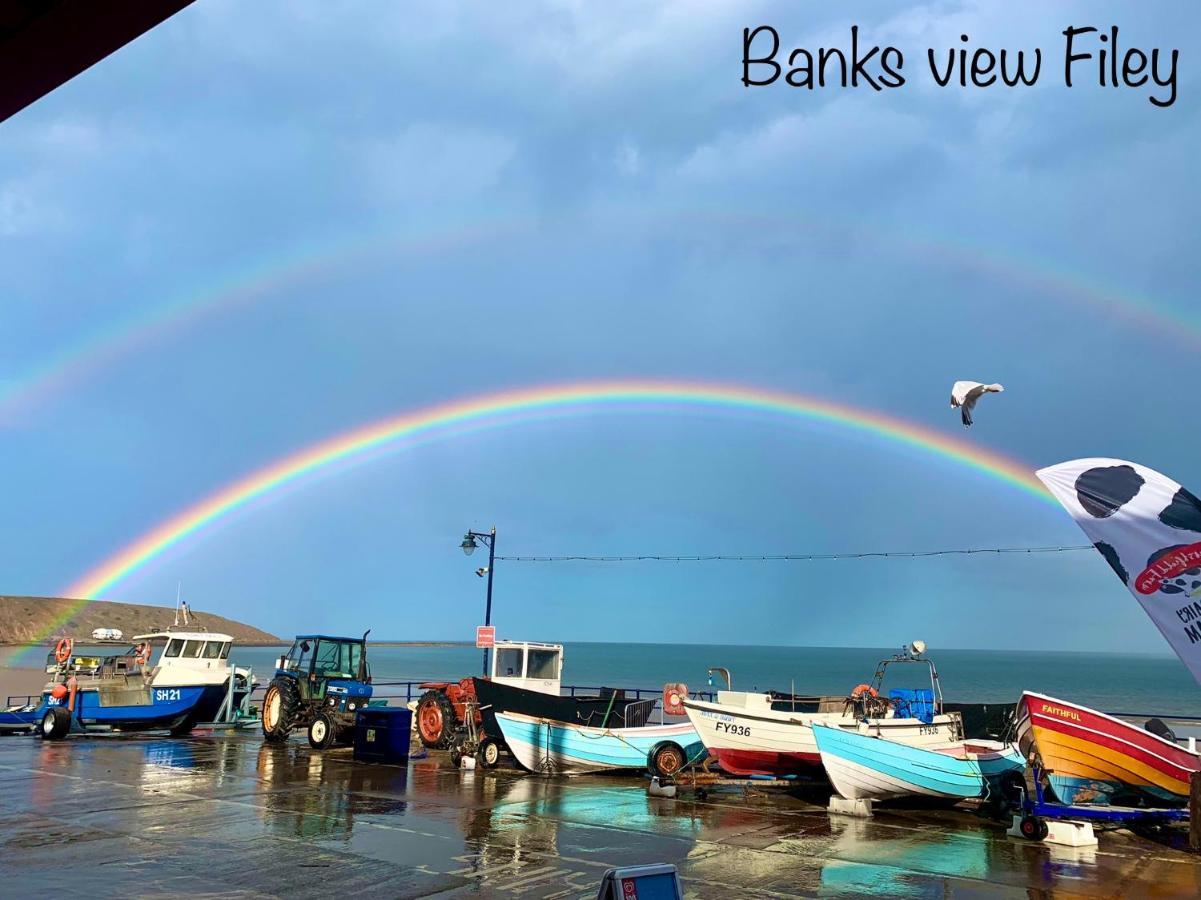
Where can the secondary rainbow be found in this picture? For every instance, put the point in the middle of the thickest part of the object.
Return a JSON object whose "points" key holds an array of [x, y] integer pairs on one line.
{"points": [[572, 399], [271, 274]]}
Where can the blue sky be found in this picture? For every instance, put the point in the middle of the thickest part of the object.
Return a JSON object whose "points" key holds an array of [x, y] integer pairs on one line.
{"points": [[589, 192]]}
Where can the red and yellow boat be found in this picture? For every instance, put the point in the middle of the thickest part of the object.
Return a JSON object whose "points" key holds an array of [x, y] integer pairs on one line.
{"points": [[1089, 757]]}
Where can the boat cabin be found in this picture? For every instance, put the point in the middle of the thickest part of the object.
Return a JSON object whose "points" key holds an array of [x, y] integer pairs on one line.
{"points": [[175, 657], [195, 650], [528, 664]]}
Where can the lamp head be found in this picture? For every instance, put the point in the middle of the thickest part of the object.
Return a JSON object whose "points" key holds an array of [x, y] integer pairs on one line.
{"points": [[468, 546]]}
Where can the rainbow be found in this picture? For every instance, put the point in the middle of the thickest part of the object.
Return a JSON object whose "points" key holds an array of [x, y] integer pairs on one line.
{"points": [[269, 275], [273, 273], [452, 418]]}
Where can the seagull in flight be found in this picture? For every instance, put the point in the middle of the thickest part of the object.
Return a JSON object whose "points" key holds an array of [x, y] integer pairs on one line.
{"points": [[964, 394]]}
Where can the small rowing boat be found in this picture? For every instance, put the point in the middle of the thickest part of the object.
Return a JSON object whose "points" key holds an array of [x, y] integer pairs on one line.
{"points": [[1091, 757], [546, 747], [864, 767]]}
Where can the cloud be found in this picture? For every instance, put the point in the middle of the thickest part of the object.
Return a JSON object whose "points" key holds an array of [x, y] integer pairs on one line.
{"points": [[434, 163]]}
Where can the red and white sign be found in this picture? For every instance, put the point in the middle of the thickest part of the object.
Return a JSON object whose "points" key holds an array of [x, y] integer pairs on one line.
{"points": [[1172, 565], [485, 636], [629, 889]]}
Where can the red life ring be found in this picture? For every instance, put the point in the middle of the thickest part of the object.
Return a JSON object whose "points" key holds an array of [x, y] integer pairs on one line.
{"points": [[863, 690], [674, 696], [62, 652], [142, 653]]}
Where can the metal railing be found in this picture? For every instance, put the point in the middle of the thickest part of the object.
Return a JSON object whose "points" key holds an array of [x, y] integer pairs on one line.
{"points": [[411, 690]]}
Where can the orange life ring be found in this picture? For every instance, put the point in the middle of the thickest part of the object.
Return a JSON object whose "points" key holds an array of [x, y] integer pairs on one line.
{"points": [[863, 690], [142, 653], [62, 652], [673, 699]]}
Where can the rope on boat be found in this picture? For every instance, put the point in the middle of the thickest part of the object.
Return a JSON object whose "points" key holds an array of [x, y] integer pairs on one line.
{"points": [[800, 557]]}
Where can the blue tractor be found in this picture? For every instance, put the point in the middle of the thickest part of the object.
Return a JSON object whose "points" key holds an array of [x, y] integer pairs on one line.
{"points": [[320, 685]]}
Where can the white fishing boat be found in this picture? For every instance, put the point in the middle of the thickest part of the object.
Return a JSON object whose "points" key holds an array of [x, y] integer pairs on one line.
{"points": [[771, 733], [168, 680], [863, 767]]}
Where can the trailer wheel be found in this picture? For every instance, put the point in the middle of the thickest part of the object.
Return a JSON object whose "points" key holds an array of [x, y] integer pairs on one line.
{"points": [[1033, 828], [666, 759], [323, 733], [183, 727], [56, 722], [435, 719], [488, 755]]}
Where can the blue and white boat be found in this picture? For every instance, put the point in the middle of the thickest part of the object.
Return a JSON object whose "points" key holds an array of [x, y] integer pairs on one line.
{"points": [[188, 683], [547, 747], [866, 767]]}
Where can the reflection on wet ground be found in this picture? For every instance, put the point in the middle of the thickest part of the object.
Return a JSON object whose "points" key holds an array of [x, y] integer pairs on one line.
{"points": [[230, 816]]}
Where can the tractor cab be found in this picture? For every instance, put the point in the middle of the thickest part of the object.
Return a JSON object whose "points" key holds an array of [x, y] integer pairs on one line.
{"points": [[528, 664], [322, 665]]}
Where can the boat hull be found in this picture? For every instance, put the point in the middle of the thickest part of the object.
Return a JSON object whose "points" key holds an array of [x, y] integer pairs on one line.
{"points": [[18, 719], [495, 697], [148, 709], [558, 748], [1091, 758], [863, 767], [749, 742]]}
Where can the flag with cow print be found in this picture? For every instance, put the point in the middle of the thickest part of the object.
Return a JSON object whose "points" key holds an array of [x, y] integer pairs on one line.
{"points": [[1148, 528]]}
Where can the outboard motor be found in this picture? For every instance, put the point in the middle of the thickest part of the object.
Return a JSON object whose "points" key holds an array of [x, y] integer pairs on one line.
{"points": [[1159, 729]]}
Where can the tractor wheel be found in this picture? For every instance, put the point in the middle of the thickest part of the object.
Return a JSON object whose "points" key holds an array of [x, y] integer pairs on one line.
{"points": [[667, 759], [56, 722], [435, 719], [323, 733], [488, 754], [281, 705]]}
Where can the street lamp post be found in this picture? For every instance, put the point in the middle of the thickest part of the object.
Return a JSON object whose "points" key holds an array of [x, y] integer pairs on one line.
{"points": [[468, 547]]}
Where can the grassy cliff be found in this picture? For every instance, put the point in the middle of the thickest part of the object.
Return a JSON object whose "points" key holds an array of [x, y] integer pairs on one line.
{"points": [[26, 619]]}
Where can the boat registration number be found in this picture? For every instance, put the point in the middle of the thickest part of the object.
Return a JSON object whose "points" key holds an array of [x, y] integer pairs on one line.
{"points": [[927, 729], [166, 695], [731, 728]]}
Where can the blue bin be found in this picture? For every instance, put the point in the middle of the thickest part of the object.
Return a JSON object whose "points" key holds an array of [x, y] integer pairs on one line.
{"points": [[913, 704], [382, 734]]}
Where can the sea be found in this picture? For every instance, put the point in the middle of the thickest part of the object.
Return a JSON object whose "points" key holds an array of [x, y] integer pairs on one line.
{"points": [[1138, 684]]}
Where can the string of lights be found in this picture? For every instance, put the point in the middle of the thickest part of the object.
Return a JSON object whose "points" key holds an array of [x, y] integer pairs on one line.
{"points": [[795, 557]]}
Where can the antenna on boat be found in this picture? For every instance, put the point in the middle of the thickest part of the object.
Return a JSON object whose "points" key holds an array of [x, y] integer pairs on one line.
{"points": [[178, 591]]}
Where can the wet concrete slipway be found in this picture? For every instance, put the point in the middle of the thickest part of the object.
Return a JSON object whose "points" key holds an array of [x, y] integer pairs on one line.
{"points": [[230, 816]]}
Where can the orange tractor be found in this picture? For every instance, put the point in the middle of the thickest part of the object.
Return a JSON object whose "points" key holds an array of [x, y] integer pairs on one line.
{"points": [[443, 708]]}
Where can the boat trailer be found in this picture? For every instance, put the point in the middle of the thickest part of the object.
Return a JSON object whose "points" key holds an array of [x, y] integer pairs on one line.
{"points": [[1040, 819]]}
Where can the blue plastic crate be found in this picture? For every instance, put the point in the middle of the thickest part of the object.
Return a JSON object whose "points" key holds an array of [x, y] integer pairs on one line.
{"points": [[913, 704], [382, 734]]}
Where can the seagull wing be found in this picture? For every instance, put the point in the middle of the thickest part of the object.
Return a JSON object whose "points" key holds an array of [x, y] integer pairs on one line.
{"points": [[960, 391]]}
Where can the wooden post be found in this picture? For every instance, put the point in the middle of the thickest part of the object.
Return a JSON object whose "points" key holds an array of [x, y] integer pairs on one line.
{"points": [[1194, 812]]}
